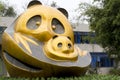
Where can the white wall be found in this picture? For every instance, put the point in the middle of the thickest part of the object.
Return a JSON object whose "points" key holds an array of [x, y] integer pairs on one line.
{"points": [[90, 47], [104, 70]]}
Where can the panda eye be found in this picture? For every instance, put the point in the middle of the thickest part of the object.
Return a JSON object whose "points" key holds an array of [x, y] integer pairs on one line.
{"points": [[34, 22], [57, 26]]}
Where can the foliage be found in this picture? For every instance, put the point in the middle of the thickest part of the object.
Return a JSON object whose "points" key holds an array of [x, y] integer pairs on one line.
{"points": [[87, 77], [83, 7], [53, 4], [115, 72], [104, 18], [6, 10]]}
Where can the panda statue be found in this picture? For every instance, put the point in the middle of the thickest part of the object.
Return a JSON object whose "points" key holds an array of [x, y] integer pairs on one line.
{"points": [[40, 43]]}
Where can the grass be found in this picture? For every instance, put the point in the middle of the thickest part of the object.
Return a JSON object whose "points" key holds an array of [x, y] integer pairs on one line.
{"points": [[87, 77]]}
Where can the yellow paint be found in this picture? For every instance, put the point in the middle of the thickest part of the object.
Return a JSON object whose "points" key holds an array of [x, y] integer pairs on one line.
{"points": [[19, 38]]}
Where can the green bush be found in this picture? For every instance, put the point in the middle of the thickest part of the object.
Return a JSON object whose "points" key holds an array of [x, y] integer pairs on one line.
{"points": [[87, 77], [115, 72]]}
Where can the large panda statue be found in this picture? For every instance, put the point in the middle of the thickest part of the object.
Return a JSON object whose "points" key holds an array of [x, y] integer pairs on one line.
{"points": [[40, 43]]}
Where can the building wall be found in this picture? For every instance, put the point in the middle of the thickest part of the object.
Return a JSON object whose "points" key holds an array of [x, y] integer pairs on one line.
{"points": [[6, 21], [104, 70], [90, 47]]}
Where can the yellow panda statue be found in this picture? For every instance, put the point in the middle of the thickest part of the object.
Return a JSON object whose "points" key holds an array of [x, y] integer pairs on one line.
{"points": [[40, 43]]}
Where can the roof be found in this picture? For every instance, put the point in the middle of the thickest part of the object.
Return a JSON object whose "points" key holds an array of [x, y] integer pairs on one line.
{"points": [[81, 27], [6, 21]]}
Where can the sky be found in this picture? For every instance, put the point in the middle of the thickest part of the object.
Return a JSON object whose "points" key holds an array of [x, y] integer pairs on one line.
{"points": [[69, 5]]}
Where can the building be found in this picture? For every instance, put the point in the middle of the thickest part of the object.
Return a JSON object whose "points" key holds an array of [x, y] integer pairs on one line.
{"points": [[4, 23], [100, 59]]}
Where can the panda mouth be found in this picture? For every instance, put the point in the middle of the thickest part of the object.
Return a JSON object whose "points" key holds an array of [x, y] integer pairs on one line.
{"points": [[20, 64]]}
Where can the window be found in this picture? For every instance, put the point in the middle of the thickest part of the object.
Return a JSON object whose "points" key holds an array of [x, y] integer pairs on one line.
{"points": [[100, 59], [106, 62], [2, 29], [83, 37]]}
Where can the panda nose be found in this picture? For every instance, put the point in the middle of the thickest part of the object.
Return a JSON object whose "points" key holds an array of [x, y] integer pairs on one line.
{"points": [[67, 48], [43, 34]]}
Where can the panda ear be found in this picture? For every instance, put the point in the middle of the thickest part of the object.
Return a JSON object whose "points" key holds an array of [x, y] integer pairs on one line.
{"points": [[34, 2], [63, 11]]}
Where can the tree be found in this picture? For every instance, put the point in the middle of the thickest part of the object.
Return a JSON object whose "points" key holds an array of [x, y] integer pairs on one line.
{"points": [[53, 4], [6, 10], [104, 19]]}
